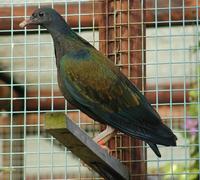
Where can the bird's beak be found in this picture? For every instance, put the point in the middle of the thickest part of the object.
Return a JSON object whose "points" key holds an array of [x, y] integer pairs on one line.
{"points": [[25, 23]]}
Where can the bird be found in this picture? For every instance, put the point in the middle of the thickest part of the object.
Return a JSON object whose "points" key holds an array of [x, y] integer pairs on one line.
{"points": [[92, 83]]}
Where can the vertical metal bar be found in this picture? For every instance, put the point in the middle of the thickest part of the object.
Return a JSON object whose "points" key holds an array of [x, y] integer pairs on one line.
{"points": [[115, 31], [157, 64], [143, 63], [184, 90], [38, 97], [52, 105], [93, 22], [198, 75], [65, 150], [79, 120], [143, 34], [11, 90], [94, 44], [129, 49], [171, 79], [25, 93]]}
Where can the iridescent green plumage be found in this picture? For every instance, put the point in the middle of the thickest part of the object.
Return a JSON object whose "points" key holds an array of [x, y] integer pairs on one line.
{"points": [[100, 85], [92, 83]]}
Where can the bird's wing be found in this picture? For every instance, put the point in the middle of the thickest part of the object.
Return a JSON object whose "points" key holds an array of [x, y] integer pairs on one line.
{"points": [[92, 83], [101, 91]]}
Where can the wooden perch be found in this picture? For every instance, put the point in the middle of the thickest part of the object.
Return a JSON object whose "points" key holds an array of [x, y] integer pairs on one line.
{"points": [[77, 141]]}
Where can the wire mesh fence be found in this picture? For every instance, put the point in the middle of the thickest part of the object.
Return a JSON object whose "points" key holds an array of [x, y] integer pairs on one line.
{"points": [[156, 45]]}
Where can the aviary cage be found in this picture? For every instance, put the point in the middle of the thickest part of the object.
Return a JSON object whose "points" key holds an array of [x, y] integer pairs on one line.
{"points": [[155, 43]]}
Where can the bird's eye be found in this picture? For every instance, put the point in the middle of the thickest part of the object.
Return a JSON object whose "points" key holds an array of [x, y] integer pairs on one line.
{"points": [[41, 14]]}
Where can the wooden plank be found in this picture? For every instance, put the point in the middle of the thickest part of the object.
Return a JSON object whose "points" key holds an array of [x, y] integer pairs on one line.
{"points": [[76, 140]]}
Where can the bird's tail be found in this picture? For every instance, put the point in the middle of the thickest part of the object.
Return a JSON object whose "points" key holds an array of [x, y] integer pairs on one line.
{"points": [[154, 148], [165, 134]]}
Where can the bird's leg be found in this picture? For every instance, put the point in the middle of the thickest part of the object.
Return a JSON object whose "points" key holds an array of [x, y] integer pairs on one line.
{"points": [[105, 136]]}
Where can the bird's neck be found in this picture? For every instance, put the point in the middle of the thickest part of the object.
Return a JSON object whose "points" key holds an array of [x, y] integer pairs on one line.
{"points": [[59, 30], [59, 34], [58, 47], [62, 44]]}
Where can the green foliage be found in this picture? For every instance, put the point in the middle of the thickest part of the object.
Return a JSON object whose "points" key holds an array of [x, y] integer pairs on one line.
{"points": [[193, 94], [194, 108]]}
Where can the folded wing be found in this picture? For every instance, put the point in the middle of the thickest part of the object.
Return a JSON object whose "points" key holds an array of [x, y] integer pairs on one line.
{"points": [[99, 89]]}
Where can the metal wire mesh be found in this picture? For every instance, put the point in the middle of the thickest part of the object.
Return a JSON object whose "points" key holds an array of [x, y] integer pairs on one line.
{"points": [[155, 43]]}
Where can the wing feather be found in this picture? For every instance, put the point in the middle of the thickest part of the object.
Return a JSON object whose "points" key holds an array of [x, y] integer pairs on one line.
{"points": [[93, 83]]}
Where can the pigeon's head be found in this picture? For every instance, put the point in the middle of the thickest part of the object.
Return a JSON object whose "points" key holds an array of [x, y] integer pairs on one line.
{"points": [[45, 17]]}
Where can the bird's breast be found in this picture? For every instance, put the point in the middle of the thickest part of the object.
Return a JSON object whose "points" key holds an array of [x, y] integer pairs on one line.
{"points": [[63, 88]]}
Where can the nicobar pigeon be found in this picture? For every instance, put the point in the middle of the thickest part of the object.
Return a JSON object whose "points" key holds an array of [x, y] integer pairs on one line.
{"points": [[91, 82]]}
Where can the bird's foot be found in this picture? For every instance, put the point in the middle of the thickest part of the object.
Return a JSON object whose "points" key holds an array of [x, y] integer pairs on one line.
{"points": [[104, 137]]}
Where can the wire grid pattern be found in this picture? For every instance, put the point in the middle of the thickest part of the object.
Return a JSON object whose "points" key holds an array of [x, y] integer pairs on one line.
{"points": [[29, 152], [171, 59]]}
